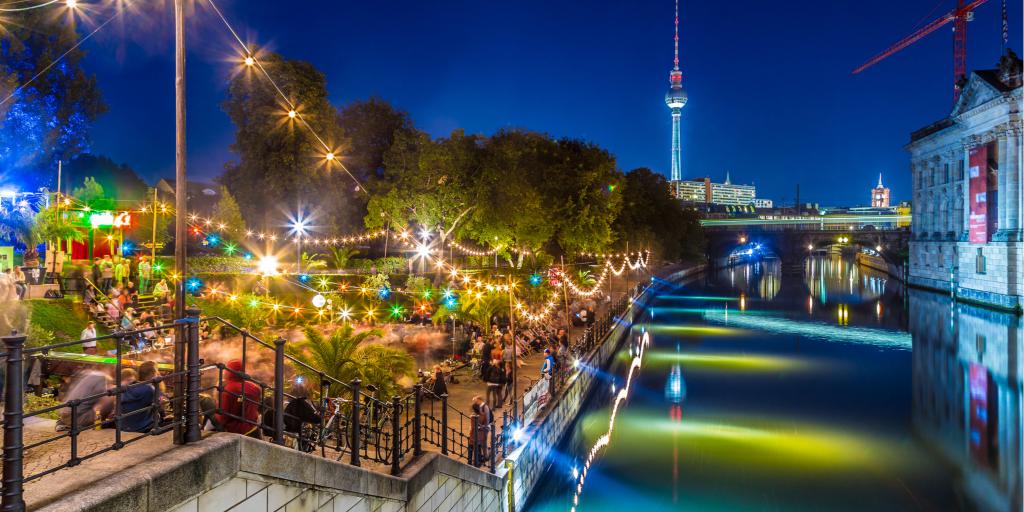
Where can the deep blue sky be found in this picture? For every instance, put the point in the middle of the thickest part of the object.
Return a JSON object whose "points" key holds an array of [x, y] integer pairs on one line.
{"points": [[771, 95]]}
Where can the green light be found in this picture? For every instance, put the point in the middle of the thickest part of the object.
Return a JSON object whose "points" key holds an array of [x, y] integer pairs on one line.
{"points": [[693, 330], [396, 311], [324, 283], [230, 249], [158, 267], [253, 303], [426, 294], [726, 361]]}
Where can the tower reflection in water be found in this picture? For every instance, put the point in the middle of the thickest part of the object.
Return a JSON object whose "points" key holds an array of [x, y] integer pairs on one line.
{"points": [[967, 394], [675, 393]]}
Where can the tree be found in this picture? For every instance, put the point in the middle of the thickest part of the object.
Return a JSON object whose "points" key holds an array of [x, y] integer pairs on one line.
{"points": [[48, 119], [340, 256], [652, 218], [344, 356], [121, 179], [226, 211], [280, 162], [91, 194], [429, 183], [371, 127]]}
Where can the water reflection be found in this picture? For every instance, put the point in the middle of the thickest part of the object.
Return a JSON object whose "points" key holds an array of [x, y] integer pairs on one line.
{"points": [[827, 391], [967, 395]]}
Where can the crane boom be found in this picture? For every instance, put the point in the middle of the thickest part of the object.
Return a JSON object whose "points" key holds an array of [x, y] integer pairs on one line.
{"points": [[927, 29]]}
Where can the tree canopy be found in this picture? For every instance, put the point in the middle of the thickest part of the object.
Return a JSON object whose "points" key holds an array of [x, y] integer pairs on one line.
{"points": [[48, 119], [651, 217]]}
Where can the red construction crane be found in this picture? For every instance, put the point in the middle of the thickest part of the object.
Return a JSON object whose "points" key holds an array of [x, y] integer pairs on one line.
{"points": [[959, 17]]}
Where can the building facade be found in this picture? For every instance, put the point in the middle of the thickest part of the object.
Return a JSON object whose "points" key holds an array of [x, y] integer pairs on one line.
{"points": [[967, 193], [880, 195], [763, 203], [705, 191]]}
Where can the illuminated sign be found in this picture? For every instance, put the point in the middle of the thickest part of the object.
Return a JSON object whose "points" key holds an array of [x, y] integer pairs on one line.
{"points": [[110, 219]]}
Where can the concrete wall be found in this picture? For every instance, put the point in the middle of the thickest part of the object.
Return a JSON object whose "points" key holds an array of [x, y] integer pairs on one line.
{"points": [[230, 472]]}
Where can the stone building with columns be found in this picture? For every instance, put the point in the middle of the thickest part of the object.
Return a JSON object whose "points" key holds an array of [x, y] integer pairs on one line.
{"points": [[966, 232]]}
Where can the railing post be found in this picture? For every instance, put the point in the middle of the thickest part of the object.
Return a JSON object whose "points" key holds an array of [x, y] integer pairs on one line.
{"points": [[279, 390], [193, 430], [14, 400], [354, 423], [181, 335], [417, 426], [474, 448], [444, 423], [396, 432], [504, 433], [494, 449], [325, 403]]}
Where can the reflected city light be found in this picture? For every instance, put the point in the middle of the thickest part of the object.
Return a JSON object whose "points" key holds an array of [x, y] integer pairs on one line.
{"points": [[727, 361], [694, 330], [857, 335]]}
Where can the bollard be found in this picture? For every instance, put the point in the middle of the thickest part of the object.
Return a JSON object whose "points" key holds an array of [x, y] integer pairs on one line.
{"points": [[245, 339], [417, 427], [354, 422], [474, 456], [396, 433], [504, 433], [279, 390], [14, 400], [193, 429], [444, 424]]}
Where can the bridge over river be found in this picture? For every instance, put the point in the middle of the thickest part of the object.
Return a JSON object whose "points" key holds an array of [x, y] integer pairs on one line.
{"points": [[792, 239]]}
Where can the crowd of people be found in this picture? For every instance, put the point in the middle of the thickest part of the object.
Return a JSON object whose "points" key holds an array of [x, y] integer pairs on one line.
{"points": [[143, 404]]}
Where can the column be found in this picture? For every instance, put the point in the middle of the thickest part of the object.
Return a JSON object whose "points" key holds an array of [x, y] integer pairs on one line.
{"points": [[966, 193], [1004, 190], [1012, 191]]}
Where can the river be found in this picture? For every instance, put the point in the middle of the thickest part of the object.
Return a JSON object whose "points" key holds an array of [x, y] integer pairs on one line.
{"points": [[835, 390]]}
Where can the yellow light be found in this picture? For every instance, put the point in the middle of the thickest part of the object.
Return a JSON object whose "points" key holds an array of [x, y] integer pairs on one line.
{"points": [[249, 61], [329, 157], [71, 3], [292, 114], [232, 297]]}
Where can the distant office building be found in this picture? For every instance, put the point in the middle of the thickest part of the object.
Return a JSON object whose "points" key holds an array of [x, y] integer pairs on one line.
{"points": [[763, 203], [880, 195], [967, 192], [704, 191]]}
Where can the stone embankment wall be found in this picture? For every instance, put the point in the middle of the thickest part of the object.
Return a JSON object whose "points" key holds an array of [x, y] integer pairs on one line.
{"points": [[880, 264]]}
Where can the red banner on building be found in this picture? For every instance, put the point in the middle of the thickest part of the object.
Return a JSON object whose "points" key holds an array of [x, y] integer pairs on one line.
{"points": [[978, 392], [978, 188]]}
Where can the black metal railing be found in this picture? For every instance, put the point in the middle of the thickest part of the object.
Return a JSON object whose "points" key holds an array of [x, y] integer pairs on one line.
{"points": [[348, 420]]}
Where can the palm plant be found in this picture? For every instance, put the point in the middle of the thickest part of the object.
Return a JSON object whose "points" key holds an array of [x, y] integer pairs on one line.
{"points": [[585, 278], [473, 308], [342, 255], [312, 261], [342, 356]]}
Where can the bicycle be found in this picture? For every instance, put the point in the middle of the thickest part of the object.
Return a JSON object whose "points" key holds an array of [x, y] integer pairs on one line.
{"points": [[335, 428]]}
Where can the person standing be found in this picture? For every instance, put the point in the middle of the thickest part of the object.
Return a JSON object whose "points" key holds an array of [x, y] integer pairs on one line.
{"points": [[485, 359], [145, 274], [239, 402], [484, 419], [495, 379], [508, 358], [120, 270], [89, 333], [106, 274]]}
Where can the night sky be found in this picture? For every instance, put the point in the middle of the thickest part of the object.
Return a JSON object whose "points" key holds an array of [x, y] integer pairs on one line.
{"points": [[771, 101]]}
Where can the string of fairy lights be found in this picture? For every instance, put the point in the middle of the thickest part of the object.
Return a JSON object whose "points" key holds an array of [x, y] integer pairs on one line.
{"points": [[475, 287], [603, 441]]}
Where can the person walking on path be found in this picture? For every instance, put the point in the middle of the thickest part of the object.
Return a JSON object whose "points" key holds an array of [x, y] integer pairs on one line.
{"points": [[89, 347]]}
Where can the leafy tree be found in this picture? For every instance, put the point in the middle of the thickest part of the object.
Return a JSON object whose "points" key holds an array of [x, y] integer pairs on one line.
{"points": [[227, 211], [344, 356], [280, 163], [371, 127], [121, 179], [652, 218], [48, 119], [51, 226], [312, 261], [429, 183], [92, 195]]}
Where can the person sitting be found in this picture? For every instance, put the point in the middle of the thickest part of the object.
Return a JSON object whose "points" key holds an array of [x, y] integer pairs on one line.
{"points": [[439, 387], [136, 403], [239, 402], [299, 412], [113, 311]]}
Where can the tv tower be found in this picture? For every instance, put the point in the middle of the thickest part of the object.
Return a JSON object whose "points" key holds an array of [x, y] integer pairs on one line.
{"points": [[675, 98]]}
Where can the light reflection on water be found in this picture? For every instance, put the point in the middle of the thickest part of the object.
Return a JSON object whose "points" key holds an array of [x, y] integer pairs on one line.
{"points": [[830, 391]]}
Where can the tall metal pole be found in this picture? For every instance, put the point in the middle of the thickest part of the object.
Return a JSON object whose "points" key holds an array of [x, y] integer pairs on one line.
{"points": [[565, 294], [181, 210], [152, 250], [180, 183], [515, 349]]}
